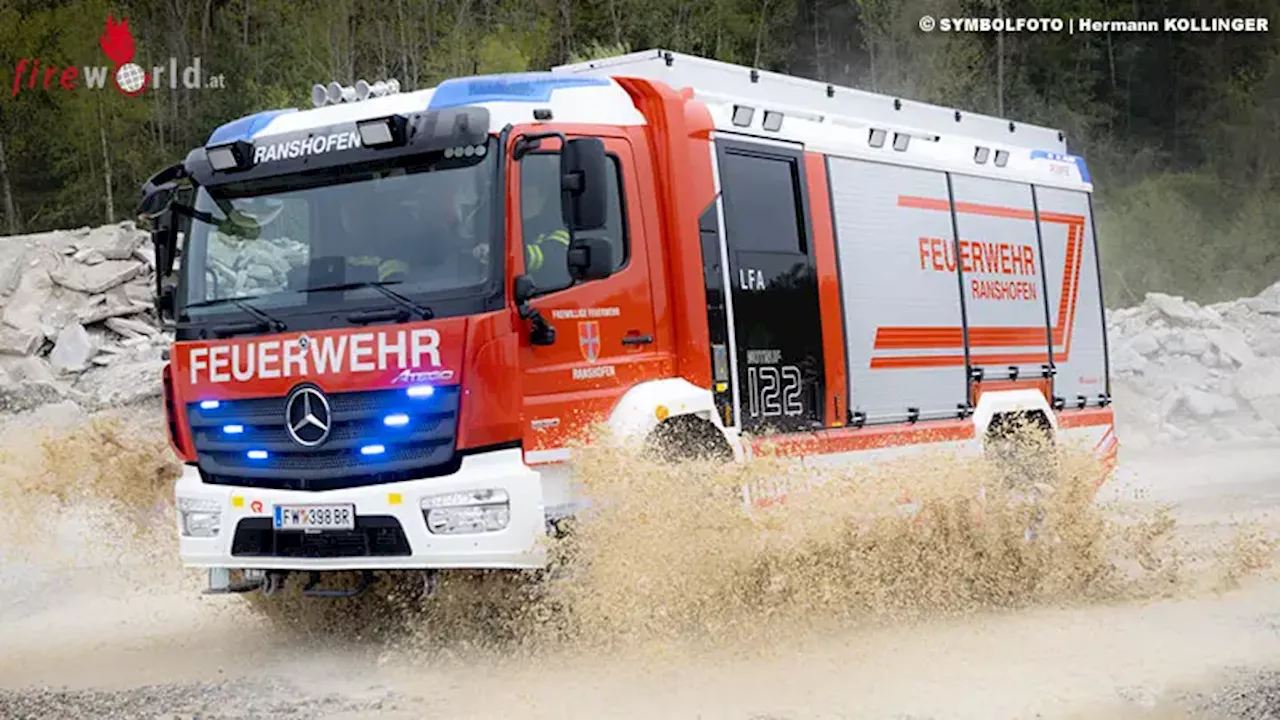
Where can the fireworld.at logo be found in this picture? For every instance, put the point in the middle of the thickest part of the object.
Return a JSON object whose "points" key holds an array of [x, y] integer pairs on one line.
{"points": [[127, 77]]}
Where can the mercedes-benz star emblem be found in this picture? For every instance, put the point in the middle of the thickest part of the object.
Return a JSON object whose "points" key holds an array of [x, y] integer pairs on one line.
{"points": [[307, 417]]}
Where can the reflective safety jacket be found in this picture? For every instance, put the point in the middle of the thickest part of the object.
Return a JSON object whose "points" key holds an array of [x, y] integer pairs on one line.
{"points": [[386, 268], [534, 254]]}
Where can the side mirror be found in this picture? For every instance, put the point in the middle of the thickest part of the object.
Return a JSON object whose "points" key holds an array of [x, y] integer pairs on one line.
{"points": [[158, 191], [584, 184], [524, 289], [156, 200], [590, 258]]}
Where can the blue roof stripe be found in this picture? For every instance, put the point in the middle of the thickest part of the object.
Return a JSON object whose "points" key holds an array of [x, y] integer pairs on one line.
{"points": [[511, 87], [246, 127]]}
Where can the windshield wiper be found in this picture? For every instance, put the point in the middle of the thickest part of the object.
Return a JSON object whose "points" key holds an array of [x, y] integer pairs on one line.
{"points": [[264, 320], [404, 302]]}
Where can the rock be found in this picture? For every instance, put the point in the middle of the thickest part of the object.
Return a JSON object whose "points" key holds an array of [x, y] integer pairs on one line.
{"points": [[73, 349], [31, 384], [1175, 308], [19, 342], [1185, 343], [1145, 343], [140, 293], [1232, 344], [95, 279], [131, 328], [1205, 405], [29, 300], [145, 255], [122, 383], [11, 272], [1258, 384], [89, 256], [1127, 360], [113, 304], [127, 241]]}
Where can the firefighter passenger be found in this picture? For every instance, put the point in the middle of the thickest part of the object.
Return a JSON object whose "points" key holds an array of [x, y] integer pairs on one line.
{"points": [[546, 241]]}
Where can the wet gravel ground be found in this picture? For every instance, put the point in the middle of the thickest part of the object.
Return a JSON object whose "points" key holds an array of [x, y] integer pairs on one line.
{"points": [[228, 700], [1248, 697], [1255, 697]]}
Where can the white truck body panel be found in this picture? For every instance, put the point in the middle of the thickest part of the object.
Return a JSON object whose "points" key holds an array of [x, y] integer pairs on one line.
{"points": [[883, 285]]}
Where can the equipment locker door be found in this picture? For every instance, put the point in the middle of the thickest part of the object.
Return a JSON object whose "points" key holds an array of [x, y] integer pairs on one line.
{"points": [[1002, 273], [773, 285]]}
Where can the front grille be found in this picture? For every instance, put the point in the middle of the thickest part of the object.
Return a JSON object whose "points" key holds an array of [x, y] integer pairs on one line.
{"points": [[423, 447], [374, 536]]}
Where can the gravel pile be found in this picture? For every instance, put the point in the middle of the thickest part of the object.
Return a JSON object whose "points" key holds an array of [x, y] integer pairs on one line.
{"points": [[1186, 373], [77, 320]]}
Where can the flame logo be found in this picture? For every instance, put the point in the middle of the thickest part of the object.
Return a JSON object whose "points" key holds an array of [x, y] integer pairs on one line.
{"points": [[117, 44], [117, 41]]}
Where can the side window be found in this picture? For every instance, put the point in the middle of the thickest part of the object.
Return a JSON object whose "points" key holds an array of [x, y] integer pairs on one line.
{"points": [[765, 203], [546, 241]]}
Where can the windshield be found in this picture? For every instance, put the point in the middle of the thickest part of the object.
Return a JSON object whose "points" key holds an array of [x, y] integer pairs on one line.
{"points": [[422, 225]]}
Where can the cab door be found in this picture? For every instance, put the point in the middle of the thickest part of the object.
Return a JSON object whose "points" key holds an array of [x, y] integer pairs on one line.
{"points": [[604, 329]]}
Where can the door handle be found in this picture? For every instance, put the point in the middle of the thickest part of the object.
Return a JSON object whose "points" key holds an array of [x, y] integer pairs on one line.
{"points": [[636, 339]]}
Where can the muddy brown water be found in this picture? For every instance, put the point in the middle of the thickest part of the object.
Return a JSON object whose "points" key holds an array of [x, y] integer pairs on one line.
{"points": [[1159, 598]]}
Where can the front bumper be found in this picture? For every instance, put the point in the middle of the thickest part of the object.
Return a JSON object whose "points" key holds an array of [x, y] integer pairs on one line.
{"points": [[519, 545]]}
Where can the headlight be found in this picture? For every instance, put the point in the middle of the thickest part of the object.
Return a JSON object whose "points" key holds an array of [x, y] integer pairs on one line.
{"points": [[471, 511], [198, 517]]}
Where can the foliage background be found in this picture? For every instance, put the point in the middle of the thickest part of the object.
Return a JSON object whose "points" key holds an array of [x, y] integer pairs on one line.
{"points": [[1181, 130]]}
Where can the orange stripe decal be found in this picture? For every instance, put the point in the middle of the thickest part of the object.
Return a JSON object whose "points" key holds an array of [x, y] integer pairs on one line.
{"points": [[1085, 418], [950, 338]]}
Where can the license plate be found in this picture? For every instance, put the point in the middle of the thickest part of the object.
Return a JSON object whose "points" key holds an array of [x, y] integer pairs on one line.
{"points": [[315, 517]]}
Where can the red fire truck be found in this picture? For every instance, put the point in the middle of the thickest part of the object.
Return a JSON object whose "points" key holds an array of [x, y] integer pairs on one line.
{"points": [[393, 311]]}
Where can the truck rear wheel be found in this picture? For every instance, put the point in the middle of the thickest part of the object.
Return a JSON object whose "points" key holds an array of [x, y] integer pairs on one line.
{"points": [[1020, 446], [688, 437]]}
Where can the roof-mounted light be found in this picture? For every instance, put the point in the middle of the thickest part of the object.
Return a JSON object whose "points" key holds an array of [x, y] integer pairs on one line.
{"points": [[335, 93], [231, 156], [364, 90], [384, 131]]}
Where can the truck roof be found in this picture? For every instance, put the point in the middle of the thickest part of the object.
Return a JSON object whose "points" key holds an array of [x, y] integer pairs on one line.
{"points": [[745, 101], [845, 121]]}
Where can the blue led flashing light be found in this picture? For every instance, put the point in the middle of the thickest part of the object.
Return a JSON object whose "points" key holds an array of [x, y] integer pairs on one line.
{"points": [[396, 420], [233, 429], [420, 391], [372, 450], [257, 454], [209, 404], [512, 87]]}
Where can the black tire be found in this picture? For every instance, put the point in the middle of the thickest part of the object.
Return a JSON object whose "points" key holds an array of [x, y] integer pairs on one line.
{"points": [[688, 437]]}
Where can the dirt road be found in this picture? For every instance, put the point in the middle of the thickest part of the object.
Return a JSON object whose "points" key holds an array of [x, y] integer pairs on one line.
{"points": [[117, 631]]}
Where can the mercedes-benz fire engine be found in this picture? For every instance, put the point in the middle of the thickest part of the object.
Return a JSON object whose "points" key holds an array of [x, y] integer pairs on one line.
{"points": [[393, 311]]}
